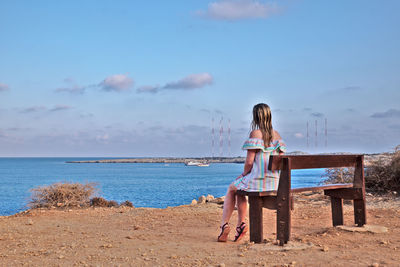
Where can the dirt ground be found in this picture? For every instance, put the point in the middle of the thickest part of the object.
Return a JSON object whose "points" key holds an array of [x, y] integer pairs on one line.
{"points": [[186, 236]]}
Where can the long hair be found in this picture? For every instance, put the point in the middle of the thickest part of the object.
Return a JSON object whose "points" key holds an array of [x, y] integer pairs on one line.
{"points": [[262, 120]]}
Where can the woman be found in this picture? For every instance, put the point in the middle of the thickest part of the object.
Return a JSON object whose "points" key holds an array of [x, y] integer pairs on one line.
{"points": [[263, 142]]}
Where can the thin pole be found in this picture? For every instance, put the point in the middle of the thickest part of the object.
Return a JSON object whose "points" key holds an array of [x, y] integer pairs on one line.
{"points": [[229, 137], [316, 133], [221, 131], [308, 136], [213, 136], [326, 132]]}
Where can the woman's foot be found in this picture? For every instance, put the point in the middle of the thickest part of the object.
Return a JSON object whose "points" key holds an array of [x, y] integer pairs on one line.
{"points": [[223, 236], [241, 231]]}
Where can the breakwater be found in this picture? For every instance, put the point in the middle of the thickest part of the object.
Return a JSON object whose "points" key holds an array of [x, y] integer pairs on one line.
{"points": [[166, 160]]}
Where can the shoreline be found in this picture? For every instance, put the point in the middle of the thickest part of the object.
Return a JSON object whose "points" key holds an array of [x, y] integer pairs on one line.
{"points": [[368, 159]]}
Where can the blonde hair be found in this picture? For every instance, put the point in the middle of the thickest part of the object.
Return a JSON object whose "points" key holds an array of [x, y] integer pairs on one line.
{"points": [[262, 120]]}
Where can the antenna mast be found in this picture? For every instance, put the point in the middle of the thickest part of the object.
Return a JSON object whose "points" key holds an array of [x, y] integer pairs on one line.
{"points": [[326, 132], [213, 136], [221, 131], [308, 143], [229, 137], [316, 133]]}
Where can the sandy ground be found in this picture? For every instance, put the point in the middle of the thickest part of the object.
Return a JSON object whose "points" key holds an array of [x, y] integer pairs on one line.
{"points": [[186, 236]]}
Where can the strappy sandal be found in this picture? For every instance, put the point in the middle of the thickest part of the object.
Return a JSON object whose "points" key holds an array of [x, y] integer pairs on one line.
{"points": [[241, 231], [223, 236]]}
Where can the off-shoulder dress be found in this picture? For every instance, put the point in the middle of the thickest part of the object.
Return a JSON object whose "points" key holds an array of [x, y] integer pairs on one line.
{"points": [[260, 178]]}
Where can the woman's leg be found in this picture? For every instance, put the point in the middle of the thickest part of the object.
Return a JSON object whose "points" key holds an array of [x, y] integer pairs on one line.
{"points": [[229, 204], [242, 208]]}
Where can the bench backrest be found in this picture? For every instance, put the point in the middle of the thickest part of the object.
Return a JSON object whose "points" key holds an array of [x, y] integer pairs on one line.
{"points": [[286, 163]]}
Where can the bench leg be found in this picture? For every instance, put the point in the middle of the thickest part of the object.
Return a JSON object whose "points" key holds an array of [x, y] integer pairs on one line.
{"points": [[256, 219], [283, 221], [360, 212], [337, 211]]}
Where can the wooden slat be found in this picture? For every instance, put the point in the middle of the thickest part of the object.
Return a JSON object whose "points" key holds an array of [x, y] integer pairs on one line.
{"points": [[256, 194], [345, 193], [314, 161], [320, 188]]}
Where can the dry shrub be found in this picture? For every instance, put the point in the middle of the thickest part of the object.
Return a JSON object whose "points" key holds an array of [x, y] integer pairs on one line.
{"points": [[384, 177], [62, 195], [98, 202], [101, 202], [127, 203], [380, 177], [338, 175]]}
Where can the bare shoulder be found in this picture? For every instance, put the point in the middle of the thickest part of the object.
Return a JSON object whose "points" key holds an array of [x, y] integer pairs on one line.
{"points": [[276, 135], [256, 134]]}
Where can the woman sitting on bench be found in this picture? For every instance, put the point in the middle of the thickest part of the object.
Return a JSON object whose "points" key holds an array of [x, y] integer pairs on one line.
{"points": [[263, 142]]}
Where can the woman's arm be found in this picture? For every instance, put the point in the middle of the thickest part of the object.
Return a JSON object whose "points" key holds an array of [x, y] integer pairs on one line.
{"points": [[277, 136], [251, 153], [248, 165]]}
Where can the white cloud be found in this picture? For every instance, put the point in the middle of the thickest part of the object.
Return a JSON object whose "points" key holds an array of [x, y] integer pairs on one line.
{"points": [[33, 109], [239, 9], [75, 89], [3, 87], [117, 82], [103, 138], [148, 89], [317, 114], [390, 113], [298, 135], [192, 81], [60, 107]]}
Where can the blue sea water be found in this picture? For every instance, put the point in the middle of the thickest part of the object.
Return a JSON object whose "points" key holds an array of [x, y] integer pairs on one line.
{"points": [[144, 184]]}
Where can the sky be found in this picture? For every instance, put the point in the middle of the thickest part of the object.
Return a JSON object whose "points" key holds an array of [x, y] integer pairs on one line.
{"points": [[101, 78]]}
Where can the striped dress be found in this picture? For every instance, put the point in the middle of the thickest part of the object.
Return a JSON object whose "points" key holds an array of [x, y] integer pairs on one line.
{"points": [[260, 178]]}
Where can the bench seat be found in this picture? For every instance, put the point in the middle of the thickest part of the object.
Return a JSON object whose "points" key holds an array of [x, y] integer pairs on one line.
{"points": [[295, 190]]}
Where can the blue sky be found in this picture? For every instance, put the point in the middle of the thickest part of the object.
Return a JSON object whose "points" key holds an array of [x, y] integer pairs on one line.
{"points": [[145, 78]]}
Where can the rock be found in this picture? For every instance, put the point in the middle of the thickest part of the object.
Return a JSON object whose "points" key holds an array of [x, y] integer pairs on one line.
{"points": [[221, 265], [376, 229], [209, 198], [129, 237], [30, 222], [194, 202], [325, 249], [218, 200], [61, 257], [375, 264], [290, 246], [202, 200]]}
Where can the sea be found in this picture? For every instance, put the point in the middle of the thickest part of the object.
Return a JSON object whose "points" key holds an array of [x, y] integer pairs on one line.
{"points": [[155, 185]]}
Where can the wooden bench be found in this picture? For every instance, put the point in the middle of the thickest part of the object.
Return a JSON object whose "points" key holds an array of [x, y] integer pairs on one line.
{"points": [[281, 200]]}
